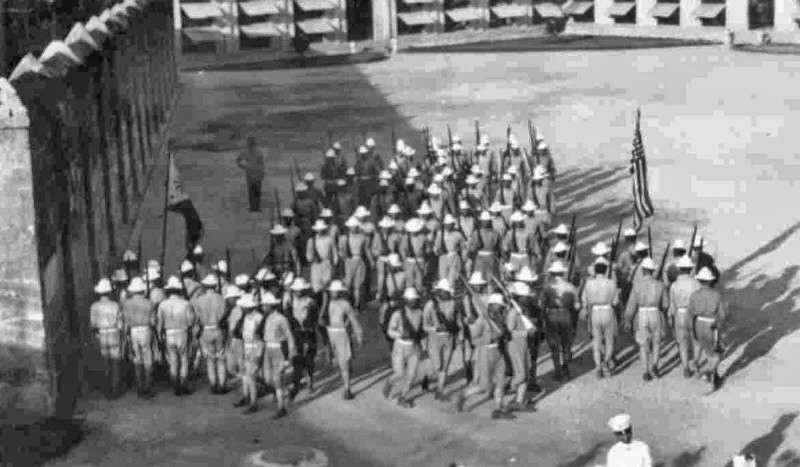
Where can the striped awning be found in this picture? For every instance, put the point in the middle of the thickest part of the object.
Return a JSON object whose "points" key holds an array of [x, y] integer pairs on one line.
{"points": [[316, 26], [197, 11], [263, 30], [577, 8], [664, 10], [203, 34], [510, 10], [315, 5], [259, 8], [621, 9], [548, 10], [709, 10], [417, 18], [462, 15]]}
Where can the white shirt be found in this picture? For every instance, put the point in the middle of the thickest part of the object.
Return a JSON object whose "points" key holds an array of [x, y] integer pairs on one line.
{"points": [[635, 454]]}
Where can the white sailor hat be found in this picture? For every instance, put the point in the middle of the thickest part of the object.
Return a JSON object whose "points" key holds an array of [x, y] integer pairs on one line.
{"points": [[187, 266], [301, 187], [434, 190], [485, 139], [698, 242], [600, 248], [619, 423], [383, 182], [685, 262], [600, 260], [370, 143], [325, 213], [330, 153], [137, 285], [477, 279], [151, 263], [480, 147], [539, 136], [517, 216], [410, 293], [386, 223], [529, 206], [434, 141], [309, 177], [438, 178], [541, 146], [336, 286], [526, 275], [705, 274], [513, 170], [409, 180], [341, 182], [485, 216], [269, 299], [385, 175], [560, 247], [352, 222], [259, 277], [496, 207], [319, 225], [362, 149], [456, 147], [456, 138], [648, 263], [278, 230], [447, 171], [448, 219], [399, 145], [361, 211], [425, 209], [561, 230], [221, 266], [463, 205], [678, 245], [441, 154], [241, 280], [197, 250], [444, 285], [510, 268], [539, 173], [288, 278], [268, 276], [520, 288], [233, 292], [246, 301], [495, 299], [640, 246], [472, 180], [507, 177], [152, 274], [337, 145], [394, 260], [557, 268], [394, 209], [413, 225], [350, 171], [287, 213], [476, 170], [629, 232], [129, 256], [409, 151], [300, 284], [392, 167], [173, 283], [210, 280], [413, 172]]}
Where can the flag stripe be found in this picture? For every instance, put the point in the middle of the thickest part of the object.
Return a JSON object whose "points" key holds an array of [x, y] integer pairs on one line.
{"points": [[642, 204]]}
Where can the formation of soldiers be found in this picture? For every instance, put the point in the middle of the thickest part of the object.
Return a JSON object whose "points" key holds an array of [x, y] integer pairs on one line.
{"points": [[462, 253]]}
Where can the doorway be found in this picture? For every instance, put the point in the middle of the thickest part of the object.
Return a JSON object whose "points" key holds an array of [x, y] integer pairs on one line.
{"points": [[359, 20], [761, 13]]}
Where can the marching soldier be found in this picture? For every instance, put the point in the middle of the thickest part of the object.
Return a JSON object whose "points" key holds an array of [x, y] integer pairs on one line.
{"points": [[367, 171], [345, 200], [626, 260], [414, 250], [485, 247], [466, 221], [326, 214], [546, 159], [671, 271], [322, 255], [306, 211], [640, 253], [190, 285], [176, 321], [449, 246], [394, 216], [437, 204], [329, 173], [405, 329], [234, 351], [341, 322], [139, 316], [107, 324], [413, 196], [210, 308], [520, 327], [531, 307], [313, 192], [282, 255], [472, 306], [475, 192], [521, 244], [647, 302], [385, 197], [251, 328], [708, 312], [561, 306], [702, 259], [602, 250], [293, 233], [303, 319], [197, 257], [600, 297], [505, 198], [499, 221], [251, 161], [557, 253], [488, 331], [430, 223], [220, 270], [157, 295], [441, 320], [391, 291], [130, 262], [387, 241], [119, 285], [542, 190], [533, 224], [353, 248]]}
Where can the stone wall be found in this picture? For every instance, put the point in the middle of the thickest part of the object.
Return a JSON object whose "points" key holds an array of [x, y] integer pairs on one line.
{"points": [[81, 126]]}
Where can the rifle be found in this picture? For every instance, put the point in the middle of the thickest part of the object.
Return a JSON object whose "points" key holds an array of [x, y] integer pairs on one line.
{"points": [[614, 249], [691, 243], [477, 133], [663, 261], [649, 241], [472, 293], [228, 259], [291, 181], [394, 141], [139, 259], [278, 203], [506, 294], [572, 241]]}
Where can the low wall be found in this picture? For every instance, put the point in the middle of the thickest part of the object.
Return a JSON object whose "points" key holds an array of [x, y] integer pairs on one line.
{"points": [[81, 125]]}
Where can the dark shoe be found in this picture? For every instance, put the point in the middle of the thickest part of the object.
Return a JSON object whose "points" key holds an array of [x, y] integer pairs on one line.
{"points": [[148, 394], [348, 395], [716, 381], [241, 403], [502, 414], [600, 373], [460, 400], [280, 413], [425, 384], [251, 410], [647, 376], [293, 393], [405, 403], [565, 370], [687, 373], [534, 388], [177, 390], [387, 389], [468, 373], [654, 373], [557, 375]]}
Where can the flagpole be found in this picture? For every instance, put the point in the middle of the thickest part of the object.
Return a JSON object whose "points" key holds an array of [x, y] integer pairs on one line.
{"points": [[166, 204]]}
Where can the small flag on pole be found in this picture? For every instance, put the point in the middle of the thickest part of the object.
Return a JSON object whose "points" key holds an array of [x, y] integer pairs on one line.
{"points": [[642, 205], [180, 202]]}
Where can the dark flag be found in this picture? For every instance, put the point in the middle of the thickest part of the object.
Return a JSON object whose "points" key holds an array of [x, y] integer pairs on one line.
{"points": [[642, 206], [178, 201]]}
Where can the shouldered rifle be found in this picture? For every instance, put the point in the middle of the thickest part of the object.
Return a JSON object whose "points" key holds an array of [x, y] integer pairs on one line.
{"points": [[291, 181], [663, 261], [278, 203], [228, 260], [481, 312], [477, 133], [450, 147], [649, 241], [691, 242], [573, 246], [139, 260], [614, 250]]}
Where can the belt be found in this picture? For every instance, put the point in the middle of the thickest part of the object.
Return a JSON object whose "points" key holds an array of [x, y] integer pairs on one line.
{"points": [[139, 328], [601, 307], [273, 345], [175, 331], [683, 310], [648, 308], [336, 329], [210, 327], [250, 345], [485, 253], [404, 342], [108, 330], [442, 333], [490, 346], [520, 254], [706, 319]]}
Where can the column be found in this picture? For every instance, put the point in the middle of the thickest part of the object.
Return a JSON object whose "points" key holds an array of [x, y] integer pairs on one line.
{"points": [[688, 19], [736, 15], [381, 16], [784, 15], [601, 11], [643, 16]]}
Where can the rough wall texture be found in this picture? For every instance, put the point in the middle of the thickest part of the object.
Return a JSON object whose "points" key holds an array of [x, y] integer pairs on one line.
{"points": [[74, 164]]}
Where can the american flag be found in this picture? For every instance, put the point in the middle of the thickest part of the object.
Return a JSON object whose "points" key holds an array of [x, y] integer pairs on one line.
{"points": [[642, 206]]}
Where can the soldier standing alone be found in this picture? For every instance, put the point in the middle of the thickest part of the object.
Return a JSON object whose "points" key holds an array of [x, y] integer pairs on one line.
{"points": [[252, 162]]}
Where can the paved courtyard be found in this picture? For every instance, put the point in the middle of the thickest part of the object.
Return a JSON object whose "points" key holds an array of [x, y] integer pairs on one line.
{"points": [[720, 129]]}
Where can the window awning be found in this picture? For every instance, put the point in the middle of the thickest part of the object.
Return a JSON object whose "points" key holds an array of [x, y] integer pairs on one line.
{"points": [[259, 8], [461, 15], [709, 10], [418, 2], [315, 5], [203, 34], [577, 8], [510, 10], [664, 10], [203, 10], [417, 18], [316, 26], [263, 30], [548, 10], [621, 9]]}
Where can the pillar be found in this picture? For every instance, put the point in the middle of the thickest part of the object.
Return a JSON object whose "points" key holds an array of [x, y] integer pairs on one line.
{"points": [[784, 15], [736, 15], [688, 19], [643, 16], [601, 11], [381, 20]]}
